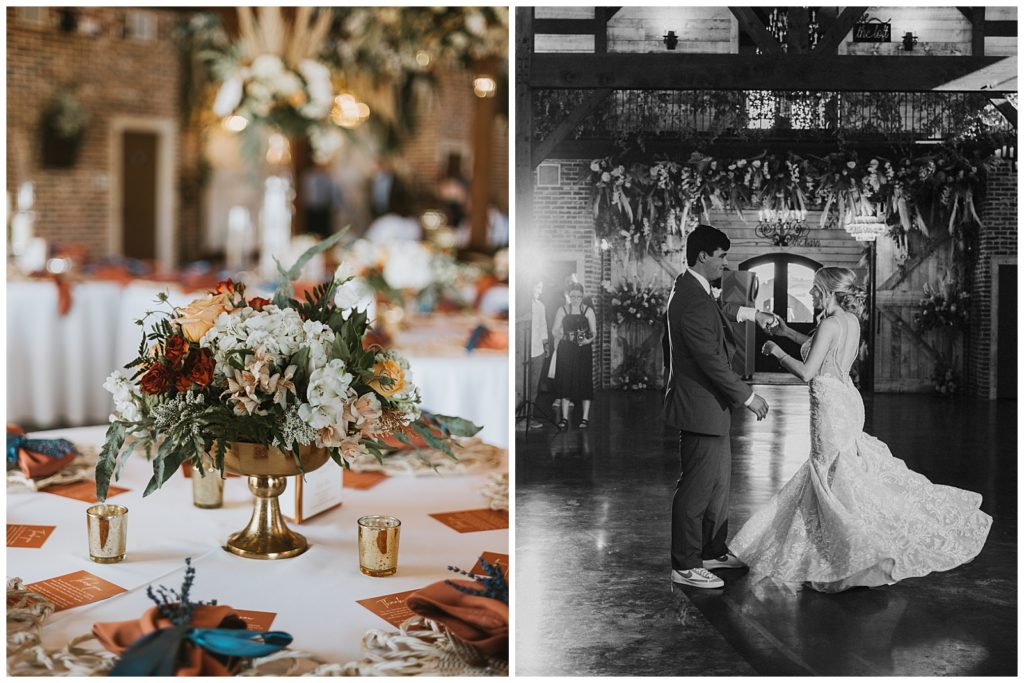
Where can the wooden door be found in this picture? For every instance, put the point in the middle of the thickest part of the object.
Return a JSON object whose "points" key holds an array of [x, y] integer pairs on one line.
{"points": [[905, 359], [138, 198], [785, 289]]}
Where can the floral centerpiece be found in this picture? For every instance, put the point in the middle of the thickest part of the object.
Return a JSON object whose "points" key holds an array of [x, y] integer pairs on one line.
{"points": [[282, 373]]}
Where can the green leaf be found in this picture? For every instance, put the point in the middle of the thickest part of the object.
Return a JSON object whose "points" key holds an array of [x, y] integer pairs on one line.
{"points": [[318, 248], [166, 465], [340, 348], [108, 458], [456, 426]]}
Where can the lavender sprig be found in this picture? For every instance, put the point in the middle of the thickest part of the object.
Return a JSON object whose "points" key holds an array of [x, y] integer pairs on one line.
{"points": [[494, 584], [175, 606]]}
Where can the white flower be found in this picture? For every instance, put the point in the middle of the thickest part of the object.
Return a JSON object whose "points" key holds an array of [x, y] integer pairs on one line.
{"points": [[606, 176], [354, 294], [330, 388], [325, 140], [318, 85], [595, 165], [716, 293], [228, 97], [126, 395], [267, 66], [408, 266], [476, 24]]}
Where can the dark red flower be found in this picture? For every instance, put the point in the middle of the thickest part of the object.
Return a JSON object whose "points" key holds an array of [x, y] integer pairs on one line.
{"points": [[182, 383], [175, 349], [201, 371], [156, 379], [258, 302]]}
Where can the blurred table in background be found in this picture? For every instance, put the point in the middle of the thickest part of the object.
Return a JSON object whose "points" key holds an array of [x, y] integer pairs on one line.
{"points": [[56, 364]]}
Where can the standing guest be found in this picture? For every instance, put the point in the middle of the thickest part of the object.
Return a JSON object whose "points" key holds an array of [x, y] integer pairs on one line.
{"points": [[320, 197], [575, 328], [540, 347]]}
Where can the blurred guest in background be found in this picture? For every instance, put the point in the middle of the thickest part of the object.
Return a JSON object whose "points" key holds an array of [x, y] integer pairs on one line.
{"points": [[320, 197]]}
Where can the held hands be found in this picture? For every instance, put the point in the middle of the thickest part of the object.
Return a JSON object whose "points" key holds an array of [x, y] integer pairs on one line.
{"points": [[759, 406], [780, 329], [770, 348], [766, 321]]}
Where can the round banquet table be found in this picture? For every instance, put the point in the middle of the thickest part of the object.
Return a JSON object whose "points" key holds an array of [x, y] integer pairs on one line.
{"points": [[314, 595], [56, 364]]}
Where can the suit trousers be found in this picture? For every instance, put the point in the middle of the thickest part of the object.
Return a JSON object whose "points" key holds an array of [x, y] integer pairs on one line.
{"points": [[700, 506]]}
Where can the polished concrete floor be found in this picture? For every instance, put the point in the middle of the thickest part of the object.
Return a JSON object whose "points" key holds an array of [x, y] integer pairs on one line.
{"points": [[593, 594]]}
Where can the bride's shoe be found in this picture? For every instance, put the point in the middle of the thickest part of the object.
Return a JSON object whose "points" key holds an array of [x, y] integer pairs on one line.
{"points": [[727, 561]]}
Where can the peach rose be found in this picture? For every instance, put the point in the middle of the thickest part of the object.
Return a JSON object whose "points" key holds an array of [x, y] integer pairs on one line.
{"points": [[390, 369], [198, 317], [365, 412]]}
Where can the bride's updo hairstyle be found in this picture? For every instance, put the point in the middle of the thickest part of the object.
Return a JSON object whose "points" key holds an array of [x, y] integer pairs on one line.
{"points": [[842, 282]]}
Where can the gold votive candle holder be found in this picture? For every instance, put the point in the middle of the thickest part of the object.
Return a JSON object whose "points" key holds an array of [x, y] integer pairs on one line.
{"points": [[207, 488], [378, 544], [108, 532]]}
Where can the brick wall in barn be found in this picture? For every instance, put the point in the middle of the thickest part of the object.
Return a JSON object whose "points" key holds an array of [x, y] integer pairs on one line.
{"points": [[998, 239], [111, 76]]}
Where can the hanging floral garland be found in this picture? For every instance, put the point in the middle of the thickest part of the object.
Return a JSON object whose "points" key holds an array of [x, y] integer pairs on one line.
{"points": [[643, 206]]}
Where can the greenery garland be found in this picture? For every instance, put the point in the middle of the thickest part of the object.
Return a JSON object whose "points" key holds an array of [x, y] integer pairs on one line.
{"points": [[645, 205]]}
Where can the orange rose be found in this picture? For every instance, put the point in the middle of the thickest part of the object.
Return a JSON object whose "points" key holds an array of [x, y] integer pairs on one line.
{"points": [[225, 287], [198, 317], [392, 370], [156, 379], [258, 302]]}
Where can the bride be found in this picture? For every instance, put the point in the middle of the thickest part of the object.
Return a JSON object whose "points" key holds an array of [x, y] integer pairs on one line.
{"points": [[852, 515]]}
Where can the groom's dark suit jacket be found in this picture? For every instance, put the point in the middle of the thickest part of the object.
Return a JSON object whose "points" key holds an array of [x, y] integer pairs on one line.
{"points": [[701, 387]]}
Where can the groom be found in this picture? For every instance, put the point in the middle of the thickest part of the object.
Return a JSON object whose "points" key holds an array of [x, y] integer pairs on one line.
{"points": [[700, 392]]}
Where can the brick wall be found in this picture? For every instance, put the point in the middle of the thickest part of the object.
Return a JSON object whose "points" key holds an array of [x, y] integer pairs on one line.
{"points": [[998, 238], [447, 123], [112, 76], [564, 230]]}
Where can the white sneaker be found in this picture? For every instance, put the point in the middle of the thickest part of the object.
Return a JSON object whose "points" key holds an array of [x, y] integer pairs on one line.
{"points": [[727, 561], [697, 577]]}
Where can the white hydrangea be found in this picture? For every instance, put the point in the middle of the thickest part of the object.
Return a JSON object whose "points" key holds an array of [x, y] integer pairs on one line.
{"points": [[273, 334], [353, 293], [408, 266], [126, 396], [330, 388], [318, 339]]}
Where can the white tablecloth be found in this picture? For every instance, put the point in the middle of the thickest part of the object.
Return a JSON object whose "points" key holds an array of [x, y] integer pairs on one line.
{"points": [[314, 594], [56, 364]]}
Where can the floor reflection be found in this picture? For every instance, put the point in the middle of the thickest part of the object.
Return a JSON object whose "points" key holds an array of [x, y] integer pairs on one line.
{"points": [[592, 535]]}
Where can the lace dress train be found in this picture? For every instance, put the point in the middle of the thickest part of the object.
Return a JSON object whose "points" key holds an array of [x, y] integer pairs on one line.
{"points": [[854, 515]]}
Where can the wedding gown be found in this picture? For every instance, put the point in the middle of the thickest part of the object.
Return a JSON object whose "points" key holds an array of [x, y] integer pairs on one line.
{"points": [[854, 515]]}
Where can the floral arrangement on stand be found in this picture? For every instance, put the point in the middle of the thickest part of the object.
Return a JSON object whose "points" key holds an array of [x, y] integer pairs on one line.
{"points": [[638, 309], [945, 379], [283, 373], [632, 301], [324, 71], [945, 307], [646, 206]]}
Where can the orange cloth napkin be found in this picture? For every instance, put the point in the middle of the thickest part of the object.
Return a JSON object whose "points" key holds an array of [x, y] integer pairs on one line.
{"points": [[117, 636], [473, 619], [494, 339], [37, 465]]}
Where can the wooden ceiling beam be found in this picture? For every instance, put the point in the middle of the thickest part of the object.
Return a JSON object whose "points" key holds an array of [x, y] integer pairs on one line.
{"points": [[566, 26], [966, 11], [796, 38], [978, 31], [1001, 29], [664, 71], [1005, 108], [752, 25], [829, 42]]}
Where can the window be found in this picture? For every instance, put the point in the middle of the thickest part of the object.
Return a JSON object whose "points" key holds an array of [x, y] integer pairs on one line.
{"points": [[549, 175], [140, 25]]}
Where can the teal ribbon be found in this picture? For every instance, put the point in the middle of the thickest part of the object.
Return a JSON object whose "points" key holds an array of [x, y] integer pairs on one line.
{"points": [[55, 448], [161, 652]]}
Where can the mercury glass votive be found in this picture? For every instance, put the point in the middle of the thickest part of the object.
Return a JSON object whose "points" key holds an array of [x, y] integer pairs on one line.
{"points": [[378, 545], [108, 532], [208, 488]]}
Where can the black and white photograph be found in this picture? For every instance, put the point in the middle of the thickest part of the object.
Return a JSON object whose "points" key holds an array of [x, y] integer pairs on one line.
{"points": [[765, 338]]}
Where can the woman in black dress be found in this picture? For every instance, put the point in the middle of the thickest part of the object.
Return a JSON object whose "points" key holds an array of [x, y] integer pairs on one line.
{"points": [[575, 329]]}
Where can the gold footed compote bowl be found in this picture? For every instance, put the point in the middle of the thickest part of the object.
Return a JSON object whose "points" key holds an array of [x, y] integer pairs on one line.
{"points": [[267, 537]]}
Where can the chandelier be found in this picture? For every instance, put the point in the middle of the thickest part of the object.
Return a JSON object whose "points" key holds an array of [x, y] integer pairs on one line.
{"points": [[784, 227], [866, 228]]}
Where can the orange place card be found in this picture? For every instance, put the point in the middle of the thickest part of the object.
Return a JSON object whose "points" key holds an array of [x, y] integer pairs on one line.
{"points": [[84, 491], [27, 535], [483, 519], [256, 620], [390, 608], [362, 480], [499, 559], [75, 589]]}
